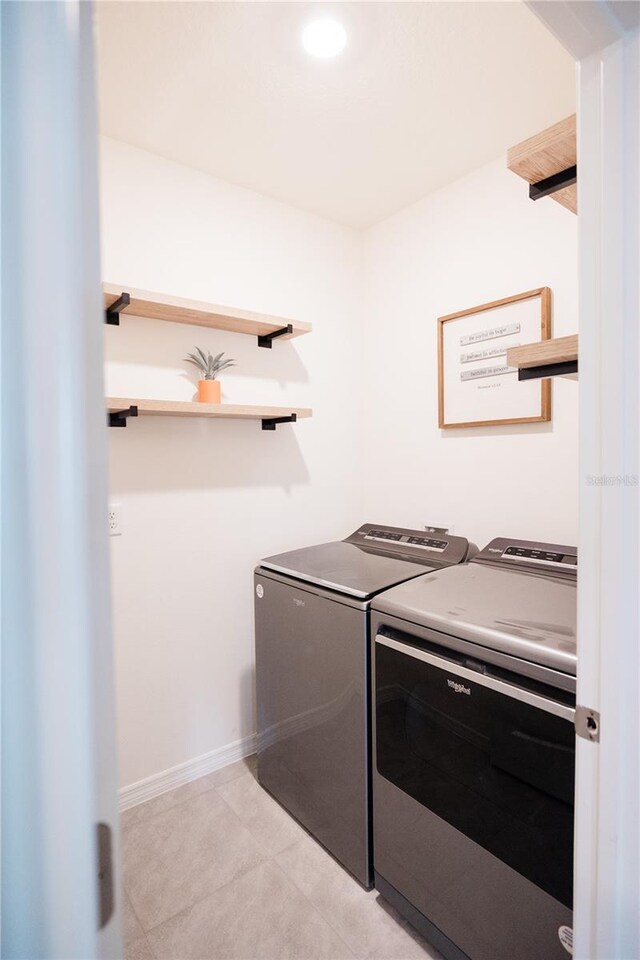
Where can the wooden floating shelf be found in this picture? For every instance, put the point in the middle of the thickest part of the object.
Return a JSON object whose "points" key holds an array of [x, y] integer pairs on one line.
{"points": [[160, 306], [547, 154], [185, 408], [188, 408], [547, 358]]}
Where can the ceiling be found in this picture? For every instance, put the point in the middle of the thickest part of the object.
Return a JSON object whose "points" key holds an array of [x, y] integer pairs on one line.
{"points": [[423, 93]]}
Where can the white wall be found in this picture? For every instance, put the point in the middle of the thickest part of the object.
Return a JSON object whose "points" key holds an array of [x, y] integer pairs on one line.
{"points": [[475, 241], [202, 501]]}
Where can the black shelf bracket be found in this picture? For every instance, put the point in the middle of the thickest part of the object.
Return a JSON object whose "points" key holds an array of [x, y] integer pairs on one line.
{"points": [[548, 370], [268, 338], [112, 313], [271, 423], [119, 417], [565, 178]]}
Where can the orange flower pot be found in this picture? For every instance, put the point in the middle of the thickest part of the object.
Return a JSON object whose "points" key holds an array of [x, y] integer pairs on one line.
{"points": [[209, 391]]}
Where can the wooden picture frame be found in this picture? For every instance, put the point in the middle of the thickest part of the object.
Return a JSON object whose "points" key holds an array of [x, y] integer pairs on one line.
{"points": [[466, 390]]}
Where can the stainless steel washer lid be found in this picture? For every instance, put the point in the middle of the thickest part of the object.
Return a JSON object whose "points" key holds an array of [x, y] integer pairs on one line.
{"points": [[528, 616], [344, 567]]}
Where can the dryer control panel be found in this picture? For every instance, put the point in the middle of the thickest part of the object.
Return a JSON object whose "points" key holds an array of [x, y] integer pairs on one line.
{"points": [[551, 558], [415, 545]]}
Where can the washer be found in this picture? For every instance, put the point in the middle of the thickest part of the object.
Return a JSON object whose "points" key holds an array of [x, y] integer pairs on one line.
{"points": [[473, 775], [312, 675]]}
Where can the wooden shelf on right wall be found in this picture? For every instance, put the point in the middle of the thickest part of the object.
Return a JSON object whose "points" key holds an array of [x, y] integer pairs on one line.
{"points": [[547, 358], [546, 155]]}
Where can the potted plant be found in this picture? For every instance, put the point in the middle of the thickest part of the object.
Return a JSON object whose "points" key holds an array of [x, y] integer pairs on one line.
{"points": [[209, 366]]}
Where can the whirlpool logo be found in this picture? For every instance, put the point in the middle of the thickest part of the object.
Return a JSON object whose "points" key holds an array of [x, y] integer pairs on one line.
{"points": [[459, 687]]}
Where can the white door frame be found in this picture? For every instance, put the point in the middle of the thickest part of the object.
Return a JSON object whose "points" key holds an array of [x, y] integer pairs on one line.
{"points": [[58, 726], [604, 38]]}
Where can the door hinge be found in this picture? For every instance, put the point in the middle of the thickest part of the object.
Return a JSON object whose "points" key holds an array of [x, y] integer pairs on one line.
{"points": [[588, 724], [105, 874]]}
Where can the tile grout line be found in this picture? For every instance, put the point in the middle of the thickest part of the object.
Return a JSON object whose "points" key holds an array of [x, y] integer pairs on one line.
{"points": [[315, 908], [267, 853], [151, 950], [279, 806], [273, 859], [222, 886], [133, 910], [212, 893], [401, 921], [212, 789], [269, 858]]}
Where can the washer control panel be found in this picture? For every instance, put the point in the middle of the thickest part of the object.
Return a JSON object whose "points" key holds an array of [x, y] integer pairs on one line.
{"points": [[412, 544], [549, 557], [422, 543]]}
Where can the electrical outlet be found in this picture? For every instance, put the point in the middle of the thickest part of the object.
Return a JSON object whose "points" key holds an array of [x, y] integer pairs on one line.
{"points": [[438, 527], [115, 520]]}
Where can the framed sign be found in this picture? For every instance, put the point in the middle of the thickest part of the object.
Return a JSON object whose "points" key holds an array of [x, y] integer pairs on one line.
{"points": [[476, 388]]}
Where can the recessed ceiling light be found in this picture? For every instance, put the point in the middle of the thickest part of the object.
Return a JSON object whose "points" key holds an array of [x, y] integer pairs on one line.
{"points": [[324, 38]]}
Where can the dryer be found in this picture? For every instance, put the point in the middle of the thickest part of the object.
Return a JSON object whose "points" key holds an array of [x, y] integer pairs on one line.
{"points": [[474, 752]]}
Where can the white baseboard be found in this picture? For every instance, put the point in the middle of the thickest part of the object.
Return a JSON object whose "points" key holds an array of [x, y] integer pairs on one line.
{"points": [[166, 780]]}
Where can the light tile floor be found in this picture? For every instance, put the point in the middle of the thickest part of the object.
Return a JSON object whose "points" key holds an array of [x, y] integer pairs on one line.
{"points": [[217, 870]]}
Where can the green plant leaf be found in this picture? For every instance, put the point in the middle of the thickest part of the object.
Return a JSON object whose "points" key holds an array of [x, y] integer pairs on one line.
{"points": [[207, 364], [194, 361]]}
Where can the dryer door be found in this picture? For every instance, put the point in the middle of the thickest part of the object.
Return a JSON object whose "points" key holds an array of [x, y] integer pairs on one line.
{"points": [[480, 767]]}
